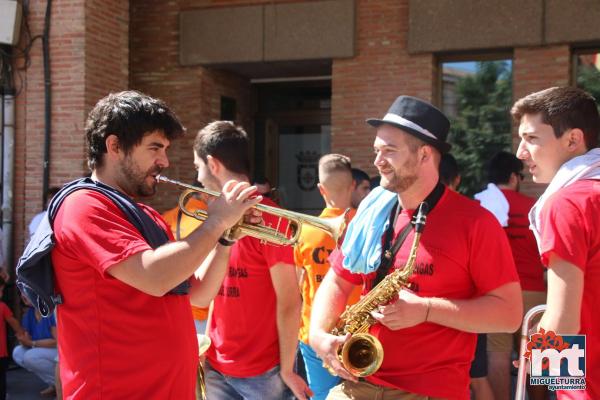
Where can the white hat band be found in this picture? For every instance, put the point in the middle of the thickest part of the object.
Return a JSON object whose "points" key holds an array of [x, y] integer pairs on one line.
{"points": [[403, 121]]}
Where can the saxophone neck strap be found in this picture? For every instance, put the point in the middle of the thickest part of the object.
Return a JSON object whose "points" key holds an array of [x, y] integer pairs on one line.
{"points": [[389, 250]]}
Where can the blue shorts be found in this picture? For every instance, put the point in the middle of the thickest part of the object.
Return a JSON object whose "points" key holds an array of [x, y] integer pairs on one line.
{"points": [[319, 379]]}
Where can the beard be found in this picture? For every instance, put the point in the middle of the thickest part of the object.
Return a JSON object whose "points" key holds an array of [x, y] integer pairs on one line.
{"points": [[401, 179], [135, 180]]}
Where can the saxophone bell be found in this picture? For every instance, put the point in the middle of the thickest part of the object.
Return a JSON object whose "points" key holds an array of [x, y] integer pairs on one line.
{"points": [[362, 354]]}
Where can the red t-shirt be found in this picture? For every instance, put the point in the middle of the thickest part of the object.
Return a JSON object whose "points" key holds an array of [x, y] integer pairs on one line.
{"points": [[522, 242], [463, 253], [5, 314], [243, 327], [569, 228], [115, 341]]}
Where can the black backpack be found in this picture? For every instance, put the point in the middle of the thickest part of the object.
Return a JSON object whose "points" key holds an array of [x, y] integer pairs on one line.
{"points": [[35, 275]]}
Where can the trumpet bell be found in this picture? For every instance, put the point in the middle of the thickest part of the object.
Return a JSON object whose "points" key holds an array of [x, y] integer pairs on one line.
{"points": [[362, 354]]}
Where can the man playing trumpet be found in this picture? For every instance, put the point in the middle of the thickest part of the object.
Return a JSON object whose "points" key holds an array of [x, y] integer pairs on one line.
{"points": [[464, 280], [126, 329], [256, 315]]}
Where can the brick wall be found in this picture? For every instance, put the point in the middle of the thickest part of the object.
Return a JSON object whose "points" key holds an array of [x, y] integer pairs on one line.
{"points": [[67, 45], [88, 54], [537, 68], [367, 84], [106, 49]]}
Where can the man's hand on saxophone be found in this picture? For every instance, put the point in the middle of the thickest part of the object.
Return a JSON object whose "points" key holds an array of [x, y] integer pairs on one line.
{"points": [[327, 350], [408, 310], [328, 304]]}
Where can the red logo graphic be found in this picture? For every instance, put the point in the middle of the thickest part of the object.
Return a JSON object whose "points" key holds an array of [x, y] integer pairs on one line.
{"points": [[545, 340]]}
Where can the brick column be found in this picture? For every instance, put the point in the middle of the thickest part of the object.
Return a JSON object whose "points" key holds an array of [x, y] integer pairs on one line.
{"points": [[534, 69], [537, 68], [366, 85]]}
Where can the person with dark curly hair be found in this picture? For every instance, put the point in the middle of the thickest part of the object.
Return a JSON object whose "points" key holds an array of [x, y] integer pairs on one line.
{"points": [[126, 328]]}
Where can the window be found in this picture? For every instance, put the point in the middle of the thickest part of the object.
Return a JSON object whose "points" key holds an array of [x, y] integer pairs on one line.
{"points": [[587, 71], [477, 96]]}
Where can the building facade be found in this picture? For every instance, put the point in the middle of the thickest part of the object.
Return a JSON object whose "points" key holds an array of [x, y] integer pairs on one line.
{"points": [[300, 76]]}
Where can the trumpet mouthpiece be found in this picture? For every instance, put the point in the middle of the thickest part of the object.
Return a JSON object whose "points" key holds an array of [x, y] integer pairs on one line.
{"points": [[160, 178]]}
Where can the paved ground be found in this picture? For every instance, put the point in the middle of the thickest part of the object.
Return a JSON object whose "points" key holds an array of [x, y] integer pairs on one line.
{"points": [[23, 385]]}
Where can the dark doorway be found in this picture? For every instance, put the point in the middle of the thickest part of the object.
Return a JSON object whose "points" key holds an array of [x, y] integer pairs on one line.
{"points": [[292, 130]]}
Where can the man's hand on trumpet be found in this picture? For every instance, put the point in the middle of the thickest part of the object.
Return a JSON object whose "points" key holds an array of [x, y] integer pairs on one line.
{"points": [[234, 204]]}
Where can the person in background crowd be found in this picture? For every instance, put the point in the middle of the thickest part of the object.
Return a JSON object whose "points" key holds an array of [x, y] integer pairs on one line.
{"points": [[559, 128], [311, 256], [265, 189], [480, 385], [374, 181], [7, 318], [35, 221], [505, 173], [362, 186], [37, 349], [449, 173]]}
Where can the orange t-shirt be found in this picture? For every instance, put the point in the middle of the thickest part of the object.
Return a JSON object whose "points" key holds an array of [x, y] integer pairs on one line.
{"points": [[312, 254], [186, 226]]}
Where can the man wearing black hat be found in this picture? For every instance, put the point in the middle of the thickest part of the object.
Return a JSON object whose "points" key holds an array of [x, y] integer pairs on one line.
{"points": [[464, 280]]}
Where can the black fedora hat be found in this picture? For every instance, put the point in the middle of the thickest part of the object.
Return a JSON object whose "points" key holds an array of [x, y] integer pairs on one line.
{"points": [[418, 118]]}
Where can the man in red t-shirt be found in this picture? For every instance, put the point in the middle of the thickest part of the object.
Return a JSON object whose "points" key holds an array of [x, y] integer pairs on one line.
{"points": [[464, 280], [256, 313], [123, 333], [559, 130], [505, 172]]}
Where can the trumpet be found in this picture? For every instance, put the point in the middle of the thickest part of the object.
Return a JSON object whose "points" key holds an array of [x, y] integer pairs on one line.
{"points": [[289, 233]]}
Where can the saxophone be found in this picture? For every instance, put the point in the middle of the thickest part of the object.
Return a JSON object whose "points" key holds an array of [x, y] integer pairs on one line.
{"points": [[362, 354]]}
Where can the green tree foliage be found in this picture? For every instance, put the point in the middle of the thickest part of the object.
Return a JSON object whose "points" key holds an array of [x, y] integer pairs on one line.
{"points": [[482, 126], [588, 79]]}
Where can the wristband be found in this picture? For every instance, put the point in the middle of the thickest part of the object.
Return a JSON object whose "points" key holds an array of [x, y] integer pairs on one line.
{"points": [[428, 308], [224, 242]]}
